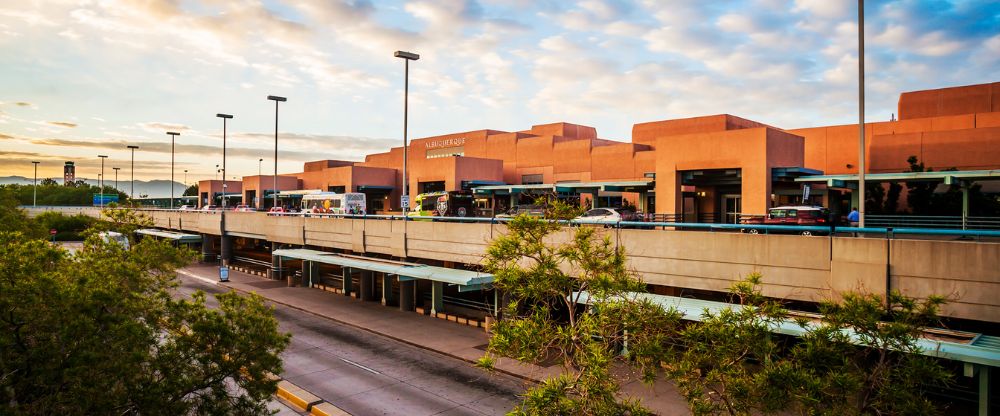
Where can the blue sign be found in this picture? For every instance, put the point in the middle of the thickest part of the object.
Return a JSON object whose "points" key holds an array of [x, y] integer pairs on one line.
{"points": [[224, 274], [105, 199]]}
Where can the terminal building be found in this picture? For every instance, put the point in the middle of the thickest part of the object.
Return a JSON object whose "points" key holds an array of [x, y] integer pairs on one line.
{"points": [[704, 169]]}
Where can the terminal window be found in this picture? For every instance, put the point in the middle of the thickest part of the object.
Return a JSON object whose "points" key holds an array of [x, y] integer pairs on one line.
{"points": [[532, 179], [446, 152]]}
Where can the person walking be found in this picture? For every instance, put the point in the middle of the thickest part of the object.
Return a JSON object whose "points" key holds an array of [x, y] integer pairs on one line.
{"points": [[853, 217]]}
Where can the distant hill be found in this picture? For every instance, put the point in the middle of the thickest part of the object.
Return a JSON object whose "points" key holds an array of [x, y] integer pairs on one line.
{"points": [[156, 188]]}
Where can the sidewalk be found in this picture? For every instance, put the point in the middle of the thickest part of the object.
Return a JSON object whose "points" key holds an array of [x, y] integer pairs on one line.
{"points": [[452, 339]]}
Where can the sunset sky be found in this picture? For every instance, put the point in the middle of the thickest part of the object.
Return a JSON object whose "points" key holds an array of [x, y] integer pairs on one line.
{"points": [[87, 77]]}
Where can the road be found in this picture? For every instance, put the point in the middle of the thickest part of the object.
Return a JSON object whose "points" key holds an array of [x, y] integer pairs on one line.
{"points": [[367, 374]]}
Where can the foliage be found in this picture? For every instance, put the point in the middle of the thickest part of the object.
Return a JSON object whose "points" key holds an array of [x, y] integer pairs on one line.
{"points": [[886, 377], [733, 363], [14, 219], [543, 283], [68, 227], [99, 332], [51, 193], [191, 190], [923, 200]]}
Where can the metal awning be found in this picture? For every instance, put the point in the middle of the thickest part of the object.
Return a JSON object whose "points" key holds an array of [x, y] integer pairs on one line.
{"points": [[948, 177], [465, 280], [362, 188], [295, 192], [982, 349], [477, 183], [171, 235], [793, 172], [583, 187]]}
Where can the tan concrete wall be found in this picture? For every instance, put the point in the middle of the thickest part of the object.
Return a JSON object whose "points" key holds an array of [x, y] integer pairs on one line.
{"points": [[794, 267]]}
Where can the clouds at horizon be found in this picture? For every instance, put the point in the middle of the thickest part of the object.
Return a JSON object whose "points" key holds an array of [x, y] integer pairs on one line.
{"points": [[83, 76]]}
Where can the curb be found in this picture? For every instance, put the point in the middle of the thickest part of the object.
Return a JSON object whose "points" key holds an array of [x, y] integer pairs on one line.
{"points": [[509, 373], [305, 401]]}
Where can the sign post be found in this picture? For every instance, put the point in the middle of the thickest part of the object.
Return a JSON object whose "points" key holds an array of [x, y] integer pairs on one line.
{"points": [[53, 233], [404, 201]]}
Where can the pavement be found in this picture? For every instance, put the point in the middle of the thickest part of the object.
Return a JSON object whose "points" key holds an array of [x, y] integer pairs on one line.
{"points": [[426, 339]]}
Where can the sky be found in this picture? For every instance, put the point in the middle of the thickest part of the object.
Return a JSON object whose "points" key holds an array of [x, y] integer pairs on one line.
{"points": [[86, 77]]}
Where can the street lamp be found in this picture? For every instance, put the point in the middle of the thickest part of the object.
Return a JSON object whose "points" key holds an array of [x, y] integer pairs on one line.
{"points": [[173, 135], [224, 117], [34, 198], [116, 180], [217, 170], [259, 161], [101, 182], [406, 57], [274, 179], [861, 113], [132, 195]]}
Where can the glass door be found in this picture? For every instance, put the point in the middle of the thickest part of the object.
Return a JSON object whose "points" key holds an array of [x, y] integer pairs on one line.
{"points": [[731, 207]]}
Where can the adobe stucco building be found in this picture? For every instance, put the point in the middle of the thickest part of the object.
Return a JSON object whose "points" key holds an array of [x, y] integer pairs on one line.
{"points": [[709, 168]]}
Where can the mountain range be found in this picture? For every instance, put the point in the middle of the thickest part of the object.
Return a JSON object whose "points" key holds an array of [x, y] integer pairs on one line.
{"points": [[156, 188]]}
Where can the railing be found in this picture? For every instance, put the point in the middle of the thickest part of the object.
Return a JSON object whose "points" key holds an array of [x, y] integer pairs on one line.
{"points": [[933, 221]]}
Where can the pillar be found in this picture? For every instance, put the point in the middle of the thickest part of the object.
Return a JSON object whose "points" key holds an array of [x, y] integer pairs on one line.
{"points": [[984, 390], [206, 248], [310, 273], [276, 269], [965, 206], [387, 298], [437, 297], [346, 285], [367, 285], [227, 249], [406, 295]]}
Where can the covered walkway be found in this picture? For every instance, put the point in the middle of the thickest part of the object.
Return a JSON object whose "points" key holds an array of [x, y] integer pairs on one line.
{"points": [[405, 273], [180, 238]]}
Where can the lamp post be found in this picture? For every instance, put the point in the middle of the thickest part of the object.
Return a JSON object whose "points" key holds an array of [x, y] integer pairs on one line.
{"points": [[274, 179], [116, 179], [173, 135], [224, 117], [132, 194], [217, 172], [861, 113], [407, 57], [34, 197], [185, 179], [101, 182]]}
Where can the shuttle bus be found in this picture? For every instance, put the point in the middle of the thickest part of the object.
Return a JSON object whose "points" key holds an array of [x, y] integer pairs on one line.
{"points": [[443, 204], [334, 203]]}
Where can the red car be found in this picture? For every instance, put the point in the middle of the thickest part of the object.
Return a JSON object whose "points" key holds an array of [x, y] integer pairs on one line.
{"points": [[791, 215]]}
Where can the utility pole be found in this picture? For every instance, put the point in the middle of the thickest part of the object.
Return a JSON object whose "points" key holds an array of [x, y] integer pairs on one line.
{"points": [[861, 113]]}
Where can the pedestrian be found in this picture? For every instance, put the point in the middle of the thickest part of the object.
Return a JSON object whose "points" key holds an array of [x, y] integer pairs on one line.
{"points": [[854, 217]]}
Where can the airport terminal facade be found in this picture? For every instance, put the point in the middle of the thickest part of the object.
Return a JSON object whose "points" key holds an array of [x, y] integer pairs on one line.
{"points": [[702, 169]]}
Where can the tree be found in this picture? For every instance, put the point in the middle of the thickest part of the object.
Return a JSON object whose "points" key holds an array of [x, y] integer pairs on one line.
{"points": [[98, 332], [887, 375], [14, 219], [543, 284], [191, 190], [732, 361]]}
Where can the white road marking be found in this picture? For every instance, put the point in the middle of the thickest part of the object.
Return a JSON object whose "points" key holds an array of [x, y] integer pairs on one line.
{"points": [[360, 366], [194, 276]]}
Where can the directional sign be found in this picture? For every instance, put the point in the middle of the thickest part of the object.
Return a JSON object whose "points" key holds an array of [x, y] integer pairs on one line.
{"points": [[224, 274], [404, 201]]}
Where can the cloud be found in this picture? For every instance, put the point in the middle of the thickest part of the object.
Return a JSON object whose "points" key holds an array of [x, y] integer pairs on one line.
{"points": [[161, 127], [62, 124], [22, 104]]}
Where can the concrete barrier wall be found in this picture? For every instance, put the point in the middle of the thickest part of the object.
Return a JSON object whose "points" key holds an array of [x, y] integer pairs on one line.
{"points": [[794, 267]]}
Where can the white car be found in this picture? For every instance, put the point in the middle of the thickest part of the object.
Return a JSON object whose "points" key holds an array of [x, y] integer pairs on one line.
{"points": [[599, 216]]}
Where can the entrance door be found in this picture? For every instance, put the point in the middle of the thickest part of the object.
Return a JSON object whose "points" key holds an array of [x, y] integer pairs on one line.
{"points": [[731, 207]]}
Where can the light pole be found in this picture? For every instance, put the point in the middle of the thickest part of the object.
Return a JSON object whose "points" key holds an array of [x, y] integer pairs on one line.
{"points": [[173, 135], [132, 195], [861, 113], [224, 117], [101, 182], [34, 197], [116, 180], [274, 179], [407, 57], [259, 161]]}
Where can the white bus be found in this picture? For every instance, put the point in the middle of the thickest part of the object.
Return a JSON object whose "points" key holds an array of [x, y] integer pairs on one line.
{"points": [[334, 203]]}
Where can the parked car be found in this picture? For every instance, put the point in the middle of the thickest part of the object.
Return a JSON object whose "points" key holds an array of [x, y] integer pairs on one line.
{"points": [[187, 208], [806, 215], [605, 216], [244, 208], [530, 210], [277, 209], [211, 208]]}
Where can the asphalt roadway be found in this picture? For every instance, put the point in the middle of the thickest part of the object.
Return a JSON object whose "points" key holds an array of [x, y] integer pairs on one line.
{"points": [[367, 374]]}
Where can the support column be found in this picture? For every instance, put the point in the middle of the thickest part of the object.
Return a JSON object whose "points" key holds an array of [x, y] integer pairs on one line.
{"points": [[227, 249], [276, 271], [984, 390], [387, 298], [437, 297], [367, 285], [310, 273], [406, 295], [206, 248], [346, 285], [965, 206]]}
